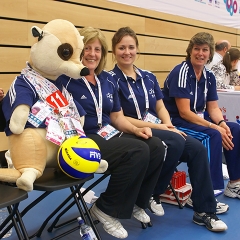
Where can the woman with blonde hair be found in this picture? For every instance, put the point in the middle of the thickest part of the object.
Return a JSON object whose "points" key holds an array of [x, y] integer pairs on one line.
{"points": [[134, 157]]}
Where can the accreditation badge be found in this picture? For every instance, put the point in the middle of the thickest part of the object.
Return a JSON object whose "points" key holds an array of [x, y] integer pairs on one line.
{"points": [[148, 117], [107, 132], [200, 114]]}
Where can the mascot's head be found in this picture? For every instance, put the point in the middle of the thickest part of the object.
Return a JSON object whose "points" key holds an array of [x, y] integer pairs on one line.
{"points": [[57, 50]]}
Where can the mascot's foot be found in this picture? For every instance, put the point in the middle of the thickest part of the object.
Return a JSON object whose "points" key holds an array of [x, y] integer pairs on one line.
{"points": [[103, 166], [27, 179]]}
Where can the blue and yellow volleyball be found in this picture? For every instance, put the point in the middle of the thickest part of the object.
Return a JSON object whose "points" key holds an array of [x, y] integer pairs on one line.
{"points": [[79, 157]]}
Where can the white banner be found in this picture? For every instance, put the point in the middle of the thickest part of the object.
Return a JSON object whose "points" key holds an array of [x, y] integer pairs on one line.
{"points": [[222, 12]]}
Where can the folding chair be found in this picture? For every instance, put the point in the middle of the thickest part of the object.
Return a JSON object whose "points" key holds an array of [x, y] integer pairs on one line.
{"points": [[55, 225], [175, 195], [53, 180], [170, 187], [10, 198]]}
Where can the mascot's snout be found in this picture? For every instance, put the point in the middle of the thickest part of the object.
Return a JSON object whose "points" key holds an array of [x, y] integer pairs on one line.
{"points": [[84, 72]]}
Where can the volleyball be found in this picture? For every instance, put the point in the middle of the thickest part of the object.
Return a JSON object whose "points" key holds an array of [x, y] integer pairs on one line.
{"points": [[79, 157]]}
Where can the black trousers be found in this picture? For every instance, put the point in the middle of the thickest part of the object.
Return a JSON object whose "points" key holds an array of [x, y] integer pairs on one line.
{"points": [[135, 165]]}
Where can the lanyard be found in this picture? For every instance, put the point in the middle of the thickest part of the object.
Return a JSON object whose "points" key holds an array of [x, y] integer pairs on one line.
{"points": [[133, 94], [205, 97], [43, 87], [98, 107], [50, 94]]}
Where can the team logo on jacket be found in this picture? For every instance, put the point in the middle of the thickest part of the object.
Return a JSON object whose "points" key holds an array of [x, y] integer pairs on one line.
{"points": [[83, 97], [110, 96], [151, 92]]}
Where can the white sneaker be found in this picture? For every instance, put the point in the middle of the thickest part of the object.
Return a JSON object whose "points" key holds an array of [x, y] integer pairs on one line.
{"points": [[211, 221], [232, 190], [110, 224], [140, 214], [220, 208], [155, 206]]}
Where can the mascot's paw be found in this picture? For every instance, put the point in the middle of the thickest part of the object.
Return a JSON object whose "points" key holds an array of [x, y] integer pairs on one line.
{"points": [[27, 179], [103, 166]]}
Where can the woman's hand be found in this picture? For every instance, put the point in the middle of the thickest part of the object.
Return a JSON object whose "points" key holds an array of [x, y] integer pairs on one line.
{"points": [[162, 126], [144, 132], [226, 136], [173, 129], [170, 127]]}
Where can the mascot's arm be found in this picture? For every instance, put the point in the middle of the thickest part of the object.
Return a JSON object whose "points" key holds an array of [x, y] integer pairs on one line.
{"points": [[19, 118]]}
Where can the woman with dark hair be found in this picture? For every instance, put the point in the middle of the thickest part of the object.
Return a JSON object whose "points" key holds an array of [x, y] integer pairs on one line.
{"points": [[226, 72], [190, 95]]}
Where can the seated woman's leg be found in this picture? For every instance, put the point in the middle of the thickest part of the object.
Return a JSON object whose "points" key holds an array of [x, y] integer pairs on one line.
{"points": [[175, 145], [135, 165], [195, 155], [215, 150], [233, 162], [157, 153], [128, 161]]}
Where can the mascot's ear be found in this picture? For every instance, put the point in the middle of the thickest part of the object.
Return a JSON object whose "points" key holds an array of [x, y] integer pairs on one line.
{"points": [[37, 32]]}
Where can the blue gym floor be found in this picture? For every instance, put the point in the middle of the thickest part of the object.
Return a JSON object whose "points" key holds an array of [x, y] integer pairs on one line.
{"points": [[175, 224]]}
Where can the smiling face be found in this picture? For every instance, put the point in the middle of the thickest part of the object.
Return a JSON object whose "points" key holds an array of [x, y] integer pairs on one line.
{"points": [[125, 51], [92, 55], [199, 55]]}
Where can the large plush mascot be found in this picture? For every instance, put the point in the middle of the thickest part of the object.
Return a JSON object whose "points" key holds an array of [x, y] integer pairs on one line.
{"points": [[39, 112]]}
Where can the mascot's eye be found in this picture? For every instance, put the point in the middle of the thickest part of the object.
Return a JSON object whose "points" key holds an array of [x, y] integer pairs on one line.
{"points": [[65, 51]]}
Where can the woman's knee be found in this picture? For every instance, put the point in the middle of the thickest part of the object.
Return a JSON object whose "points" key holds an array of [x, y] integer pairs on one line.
{"points": [[140, 153], [155, 144], [235, 128], [179, 141], [174, 141], [175, 145]]}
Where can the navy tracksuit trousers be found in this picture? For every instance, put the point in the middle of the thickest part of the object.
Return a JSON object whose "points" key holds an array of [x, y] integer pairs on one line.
{"points": [[232, 156], [195, 155]]}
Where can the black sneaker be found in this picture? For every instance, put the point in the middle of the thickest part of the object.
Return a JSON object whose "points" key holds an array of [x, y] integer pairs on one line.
{"points": [[210, 220]]}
